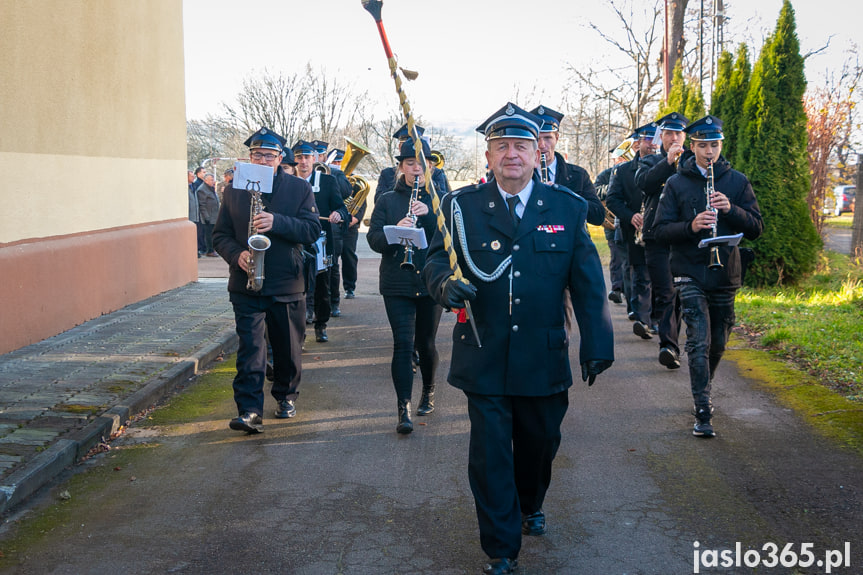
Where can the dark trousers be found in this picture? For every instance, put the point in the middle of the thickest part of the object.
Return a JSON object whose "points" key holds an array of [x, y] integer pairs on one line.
{"points": [[615, 263], [208, 237], [513, 441], [349, 258], [414, 322], [709, 317], [639, 297], [284, 323], [335, 273], [666, 307], [202, 244], [318, 296]]}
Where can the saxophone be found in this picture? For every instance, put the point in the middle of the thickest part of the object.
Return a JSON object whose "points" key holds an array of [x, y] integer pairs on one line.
{"points": [[258, 243]]}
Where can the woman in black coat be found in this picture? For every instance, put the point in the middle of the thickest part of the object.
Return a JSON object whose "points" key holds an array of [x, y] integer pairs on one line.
{"points": [[413, 315]]}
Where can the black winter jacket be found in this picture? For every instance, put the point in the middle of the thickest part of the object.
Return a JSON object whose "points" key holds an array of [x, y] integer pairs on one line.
{"points": [[389, 209], [295, 222], [684, 198]]}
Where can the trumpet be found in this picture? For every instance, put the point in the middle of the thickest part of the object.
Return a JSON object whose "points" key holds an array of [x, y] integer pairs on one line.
{"points": [[639, 232], [715, 262], [543, 169], [408, 262]]}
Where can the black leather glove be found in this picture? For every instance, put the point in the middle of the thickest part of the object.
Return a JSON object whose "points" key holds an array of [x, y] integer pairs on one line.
{"points": [[593, 367], [455, 292]]}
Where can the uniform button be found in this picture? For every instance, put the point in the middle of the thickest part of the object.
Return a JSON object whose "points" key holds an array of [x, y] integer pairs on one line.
{"points": [[418, 293], [516, 301], [554, 245], [515, 328], [515, 248], [462, 337], [516, 274]]}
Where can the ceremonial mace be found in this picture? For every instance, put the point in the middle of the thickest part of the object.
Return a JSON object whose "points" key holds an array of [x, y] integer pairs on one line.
{"points": [[374, 8]]}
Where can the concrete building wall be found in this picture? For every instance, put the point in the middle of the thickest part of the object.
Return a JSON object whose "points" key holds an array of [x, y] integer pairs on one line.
{"points": [[93, 153]]}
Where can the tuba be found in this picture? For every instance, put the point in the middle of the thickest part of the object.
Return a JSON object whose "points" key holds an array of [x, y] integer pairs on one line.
{"points": [[355, 152], [258, 243]]}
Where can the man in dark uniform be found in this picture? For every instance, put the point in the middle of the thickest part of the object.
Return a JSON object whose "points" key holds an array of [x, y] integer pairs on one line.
{"points": [[520, 243], [650, 178], [617, 258], [289, 220], [337, 239], [625, 201], [349, 257], [387, 178], [333, 213], [570, 176], [706, 291]]}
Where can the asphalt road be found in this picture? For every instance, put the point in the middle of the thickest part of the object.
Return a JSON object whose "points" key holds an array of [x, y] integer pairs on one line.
{"points": [[336, 490]]}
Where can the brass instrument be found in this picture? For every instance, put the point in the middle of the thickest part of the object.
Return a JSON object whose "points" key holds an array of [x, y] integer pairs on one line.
{"points": [[709, 189], [624, 150], [355, 152], [258, 243], [639, 232], [437, 159], [408, 262], [543, 169], [321, 167]]}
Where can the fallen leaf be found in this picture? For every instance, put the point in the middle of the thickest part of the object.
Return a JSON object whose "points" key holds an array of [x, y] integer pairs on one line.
{"points": [[118, 468], [65, 496], [133, 478]]}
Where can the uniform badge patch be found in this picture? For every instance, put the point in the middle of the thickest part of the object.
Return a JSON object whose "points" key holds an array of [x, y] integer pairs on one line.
{"points": [[495, 245]]}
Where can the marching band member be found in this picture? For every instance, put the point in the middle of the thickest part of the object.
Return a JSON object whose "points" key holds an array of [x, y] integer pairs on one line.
{"points": [[348, 257], [653, 171], [333, 212], [570, 176], [289, 220], [387, 178], [413, 315], [520, 243], [625, 201], [706, 291]]}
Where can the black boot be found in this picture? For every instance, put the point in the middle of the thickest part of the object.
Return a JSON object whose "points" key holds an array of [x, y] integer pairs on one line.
{"points": [[405, 424], [426, 405]]}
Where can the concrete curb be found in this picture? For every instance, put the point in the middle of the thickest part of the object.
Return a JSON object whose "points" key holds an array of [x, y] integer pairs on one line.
{"points": [[48, 464]]}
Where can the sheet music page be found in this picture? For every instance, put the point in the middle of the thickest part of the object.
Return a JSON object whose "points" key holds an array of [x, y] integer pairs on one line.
{"points": [[253, 177], [398, 235]]}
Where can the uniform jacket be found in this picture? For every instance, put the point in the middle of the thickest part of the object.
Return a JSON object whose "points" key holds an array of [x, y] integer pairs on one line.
{"points": [[577, 180], [208, 202], [389, 209], [329, 200], [653, 171], [525, 353], [387, 181], [682, 199], [295, 222]]}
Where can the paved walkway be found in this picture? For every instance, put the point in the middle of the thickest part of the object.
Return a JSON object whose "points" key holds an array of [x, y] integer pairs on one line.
{"points": [[61, 396]]}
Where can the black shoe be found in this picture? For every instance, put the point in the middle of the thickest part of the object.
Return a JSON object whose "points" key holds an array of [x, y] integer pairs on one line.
{"points": [[405, 425], [426, 405], [533, 524], [349, 294], [286, 409], [321, 335], [702, 426], [269, 373], [641, 330], [615, 296], [335, 311], [632, 316], [500, 566], [669, 358], [248, 422]]}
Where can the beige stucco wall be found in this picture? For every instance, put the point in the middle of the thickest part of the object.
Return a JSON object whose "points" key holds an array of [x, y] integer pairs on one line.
{"points": [[93, 156], [92, 99]]}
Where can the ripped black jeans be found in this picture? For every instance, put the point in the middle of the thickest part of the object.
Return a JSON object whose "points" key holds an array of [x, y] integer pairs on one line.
{"points": [[709, 317]]}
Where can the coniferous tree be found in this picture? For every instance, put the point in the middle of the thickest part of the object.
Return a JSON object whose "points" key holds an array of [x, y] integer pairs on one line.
{"points": [[735, 100], [772, 153], [719, 98], [677, 95], [694, 108]]}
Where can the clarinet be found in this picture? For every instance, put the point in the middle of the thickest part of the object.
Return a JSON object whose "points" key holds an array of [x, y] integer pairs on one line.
{"points": [[715, 263], [408, 262], [543, 169]]}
